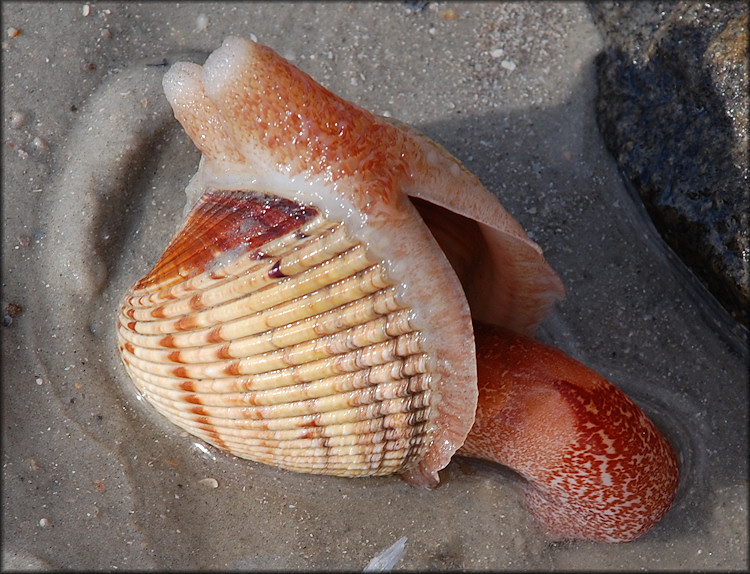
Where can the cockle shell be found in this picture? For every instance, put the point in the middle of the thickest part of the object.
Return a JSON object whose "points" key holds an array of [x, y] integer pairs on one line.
{"points": [[314, 311]]}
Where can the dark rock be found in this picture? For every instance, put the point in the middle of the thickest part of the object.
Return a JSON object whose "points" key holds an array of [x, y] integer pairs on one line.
{"points": [[673, 110]]}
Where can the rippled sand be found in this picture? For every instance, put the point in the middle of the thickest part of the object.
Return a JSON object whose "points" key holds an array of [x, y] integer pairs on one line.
{"points": [[94, 168]]}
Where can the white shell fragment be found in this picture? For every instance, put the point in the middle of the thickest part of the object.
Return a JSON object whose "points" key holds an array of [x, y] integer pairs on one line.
{"points": [[387, 559]]}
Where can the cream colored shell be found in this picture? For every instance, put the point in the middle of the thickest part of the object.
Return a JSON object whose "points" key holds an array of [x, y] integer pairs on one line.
{"points": [[297, 353]]}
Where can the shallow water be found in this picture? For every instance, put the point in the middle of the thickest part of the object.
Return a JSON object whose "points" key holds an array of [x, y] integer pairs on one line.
{"points": [[94, 478]]}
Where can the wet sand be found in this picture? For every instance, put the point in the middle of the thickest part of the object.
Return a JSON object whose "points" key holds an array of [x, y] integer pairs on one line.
{"points": [[94, 168]]}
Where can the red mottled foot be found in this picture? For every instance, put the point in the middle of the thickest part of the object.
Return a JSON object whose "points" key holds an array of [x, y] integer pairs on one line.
{"points": [[597, 467]]}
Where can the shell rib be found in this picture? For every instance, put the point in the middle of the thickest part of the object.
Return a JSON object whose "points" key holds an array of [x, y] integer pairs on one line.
{"points": [[293, 351], [304, 315]]}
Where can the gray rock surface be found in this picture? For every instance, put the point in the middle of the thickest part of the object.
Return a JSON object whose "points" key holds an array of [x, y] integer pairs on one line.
{"points": [[673, 110]]}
